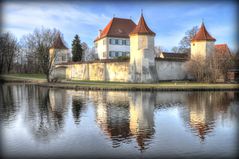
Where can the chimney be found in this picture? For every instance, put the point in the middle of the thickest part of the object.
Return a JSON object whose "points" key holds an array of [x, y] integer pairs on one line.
{"points": [[99, 32]]}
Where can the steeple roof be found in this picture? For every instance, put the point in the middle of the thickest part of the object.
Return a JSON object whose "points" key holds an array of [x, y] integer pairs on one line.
{"points": [[58, 44], [203, 34], [142, 28]]}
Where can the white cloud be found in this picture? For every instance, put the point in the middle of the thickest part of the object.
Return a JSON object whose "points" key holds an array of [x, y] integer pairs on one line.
{"points": [[21, 19]]}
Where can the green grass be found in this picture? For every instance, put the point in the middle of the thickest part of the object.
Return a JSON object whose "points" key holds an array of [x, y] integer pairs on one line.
{"points": [[25, 75], [182, 85]]}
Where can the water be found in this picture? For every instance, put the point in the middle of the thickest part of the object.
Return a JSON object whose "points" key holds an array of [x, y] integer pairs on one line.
{"points": [[42, 122]]}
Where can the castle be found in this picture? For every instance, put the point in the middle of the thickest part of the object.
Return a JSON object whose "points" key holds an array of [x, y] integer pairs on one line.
{"points": [[122, 37]]}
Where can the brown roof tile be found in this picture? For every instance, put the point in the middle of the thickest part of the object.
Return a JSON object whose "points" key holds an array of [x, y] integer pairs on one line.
{"points": [[142, 28], [222, 48], [58, 44], [168, 56], [203, 34], [117, 27]]}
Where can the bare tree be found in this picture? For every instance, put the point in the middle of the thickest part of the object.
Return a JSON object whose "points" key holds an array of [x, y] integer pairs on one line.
{"points": [[85, 50], [38, 45], [8, 52], [175, 49], [158, 50], [184, 44], [210, 68], [91, 55]]}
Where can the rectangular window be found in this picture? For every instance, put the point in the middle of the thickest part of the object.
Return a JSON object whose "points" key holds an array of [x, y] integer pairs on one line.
{"points": [[123, 53], [104, 54], [116, 41], [116, 54], [123, 42], [110, 41], [120, 42], [127, 42], [112, 53], [63, 58]]}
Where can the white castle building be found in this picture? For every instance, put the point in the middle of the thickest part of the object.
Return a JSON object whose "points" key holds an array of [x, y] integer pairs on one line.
{"points": [[122, 37]]}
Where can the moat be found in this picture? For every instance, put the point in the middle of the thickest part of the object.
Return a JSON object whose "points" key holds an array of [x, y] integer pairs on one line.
{"points": [[59, 123]]}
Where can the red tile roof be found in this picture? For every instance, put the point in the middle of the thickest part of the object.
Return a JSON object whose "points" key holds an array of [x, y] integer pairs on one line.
{"points": [[203, 34], [58, 44], [117, 27], [222, 48], [142, 28], [167, 56]]}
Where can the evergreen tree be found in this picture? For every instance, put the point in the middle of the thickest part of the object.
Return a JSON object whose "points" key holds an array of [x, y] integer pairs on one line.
{"points": [[77, 50]]}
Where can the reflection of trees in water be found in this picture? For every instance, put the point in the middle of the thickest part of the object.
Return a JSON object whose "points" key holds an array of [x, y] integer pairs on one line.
{"points": [[45, 112], [78, 106], [203, 109], [7, 106]]}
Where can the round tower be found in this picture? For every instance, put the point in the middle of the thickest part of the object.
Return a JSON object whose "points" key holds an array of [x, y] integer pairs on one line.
{"points": [[142, 60], [202, 44]]}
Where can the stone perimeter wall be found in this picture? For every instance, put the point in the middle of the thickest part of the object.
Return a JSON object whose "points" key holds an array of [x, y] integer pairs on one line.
{"points": [[119, 71], [112, 71], [171, 70]]}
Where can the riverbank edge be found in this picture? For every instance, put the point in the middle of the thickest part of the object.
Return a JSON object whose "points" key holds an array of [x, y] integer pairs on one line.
{"points": [[125, 86]]}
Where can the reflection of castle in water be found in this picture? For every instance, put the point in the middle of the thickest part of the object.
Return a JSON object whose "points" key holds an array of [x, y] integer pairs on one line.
{"points": [[202, 109], [123, 118]]}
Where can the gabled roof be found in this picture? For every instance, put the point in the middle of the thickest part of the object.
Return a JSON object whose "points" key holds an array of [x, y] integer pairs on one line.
{"points": [[203, 34], [117, 27], [142, 28], [58, 44], [169, 56], [222, 48]]}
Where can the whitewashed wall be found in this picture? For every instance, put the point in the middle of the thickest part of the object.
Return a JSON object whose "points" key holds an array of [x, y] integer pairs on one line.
{"points": [[101, 48], [171, 70]]}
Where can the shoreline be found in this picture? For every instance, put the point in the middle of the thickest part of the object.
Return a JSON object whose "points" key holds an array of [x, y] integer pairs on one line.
{"points": [[120, 86]]}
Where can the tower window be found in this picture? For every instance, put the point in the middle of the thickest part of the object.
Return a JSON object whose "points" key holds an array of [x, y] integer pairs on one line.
{"points": [[193, 44]]}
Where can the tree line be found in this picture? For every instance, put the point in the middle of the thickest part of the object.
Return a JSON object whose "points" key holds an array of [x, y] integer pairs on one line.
{"points": [[31, 53]]}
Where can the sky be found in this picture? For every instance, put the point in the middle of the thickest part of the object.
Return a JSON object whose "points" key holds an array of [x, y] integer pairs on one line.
{"points": [[169, 20]]}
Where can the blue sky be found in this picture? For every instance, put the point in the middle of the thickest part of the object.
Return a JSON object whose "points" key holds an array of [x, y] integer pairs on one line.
{"points": [[169, 20]]}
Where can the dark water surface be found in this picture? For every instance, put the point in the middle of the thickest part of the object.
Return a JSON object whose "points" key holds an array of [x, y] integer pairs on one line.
{"points": [[43, 122]]}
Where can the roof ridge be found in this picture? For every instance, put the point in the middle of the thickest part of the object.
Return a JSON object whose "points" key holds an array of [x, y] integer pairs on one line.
{"points": [[220, 44], [121, 18]]}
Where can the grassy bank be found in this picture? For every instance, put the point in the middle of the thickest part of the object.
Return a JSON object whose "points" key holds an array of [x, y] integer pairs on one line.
{"points": [[39, 79], [33, 78]]}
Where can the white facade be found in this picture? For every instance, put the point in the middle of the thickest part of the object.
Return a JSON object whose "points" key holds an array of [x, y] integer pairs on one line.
{"points": [[142, 59], [112, 47]]}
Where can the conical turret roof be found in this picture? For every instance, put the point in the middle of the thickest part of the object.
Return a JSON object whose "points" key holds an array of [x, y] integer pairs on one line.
{"points": [[58, 44], [203, 34], [142, 28]]}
